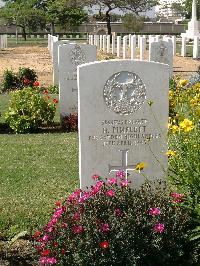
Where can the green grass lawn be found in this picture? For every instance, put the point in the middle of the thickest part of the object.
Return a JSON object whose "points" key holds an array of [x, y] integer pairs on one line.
{"points": [[35, 171]]}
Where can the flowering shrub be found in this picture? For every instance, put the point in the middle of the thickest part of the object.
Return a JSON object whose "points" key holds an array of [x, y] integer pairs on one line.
{"points": [[25, 77], [29, 110], [184, 141], [112, 224], [70, 123]]}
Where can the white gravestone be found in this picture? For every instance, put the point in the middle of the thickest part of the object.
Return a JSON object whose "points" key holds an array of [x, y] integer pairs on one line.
{"points": [[162, 52], [196, 48], [133, 47], [119, 41], [101, 42], [104, 43], [125, 121], [55, 60], [184, 46], [142, 48], [125, 39], [69, 57], [108, 44], [113, 44]]}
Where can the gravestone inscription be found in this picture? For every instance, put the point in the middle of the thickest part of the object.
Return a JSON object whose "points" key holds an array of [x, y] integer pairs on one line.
{"points": [[123, 118]]}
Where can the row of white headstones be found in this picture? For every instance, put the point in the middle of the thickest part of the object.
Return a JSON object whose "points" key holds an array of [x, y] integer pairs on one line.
{"points": [[118, 45], [122, 111], [3, 41]]}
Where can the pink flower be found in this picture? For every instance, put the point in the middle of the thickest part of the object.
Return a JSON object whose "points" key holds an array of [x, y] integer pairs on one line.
{"points": [[45, 238], [110, 193], [97, 187], [95, 177], [74, 196], [47, 261], [105, 228], [118, 212], [154, 211], [121, 174], [112, 181], [177, 197], [84, 196], [124, 183], [159, 228], [76, 216], [78, 229], [58, 213]]}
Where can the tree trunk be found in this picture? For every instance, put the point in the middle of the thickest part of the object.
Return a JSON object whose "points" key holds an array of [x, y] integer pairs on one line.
{"points": [[108, 20], [52, 28], [24, 33]]}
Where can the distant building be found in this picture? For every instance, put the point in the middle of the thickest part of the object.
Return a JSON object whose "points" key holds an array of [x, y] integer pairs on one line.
{"points": [[164, 9]]}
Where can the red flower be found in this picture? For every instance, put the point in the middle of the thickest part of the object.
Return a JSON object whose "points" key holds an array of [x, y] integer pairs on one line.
{"points": [[58, 203], [36, 84], [46, 91], [55, 244], [62, 251], [95, 177], [37, 234], [45, 252], [104, 244], [26, 81], [55, 101]]}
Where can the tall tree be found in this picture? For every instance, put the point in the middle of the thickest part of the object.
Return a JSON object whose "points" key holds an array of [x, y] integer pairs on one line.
{"points": [[185, 8], [24, 14], [62, 12], [135, 6]]}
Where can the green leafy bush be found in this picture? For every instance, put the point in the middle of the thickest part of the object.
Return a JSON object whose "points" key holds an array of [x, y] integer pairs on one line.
{"points": [[10, 81], [112, 224], [29, 110], [25, 77]]}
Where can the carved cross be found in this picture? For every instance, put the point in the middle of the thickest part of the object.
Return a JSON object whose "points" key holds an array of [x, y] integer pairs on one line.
{"points": [[162, 50], [124, 166]]}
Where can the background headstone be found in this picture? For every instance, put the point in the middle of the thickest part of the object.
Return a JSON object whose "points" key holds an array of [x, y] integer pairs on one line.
{"points": [[162, 52], [69, 57], [125, 121], [55, 60]]}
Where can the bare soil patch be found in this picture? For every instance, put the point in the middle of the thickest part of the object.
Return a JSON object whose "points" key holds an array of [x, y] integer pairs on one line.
{"points": [[38, 58]]}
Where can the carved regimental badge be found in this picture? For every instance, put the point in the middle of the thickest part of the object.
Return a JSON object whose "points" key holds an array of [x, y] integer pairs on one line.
{"points": [[78, 56], [124, 93]]}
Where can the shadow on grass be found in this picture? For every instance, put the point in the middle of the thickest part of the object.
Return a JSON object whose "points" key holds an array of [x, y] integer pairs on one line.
{"points": [[54, 128]]}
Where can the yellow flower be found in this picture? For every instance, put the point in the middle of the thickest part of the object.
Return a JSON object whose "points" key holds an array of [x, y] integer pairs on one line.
{"points": [[171, 93], [183, 82], [193, 102], [140, 166], [170, 153], [186, 125], [174, 128]]}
